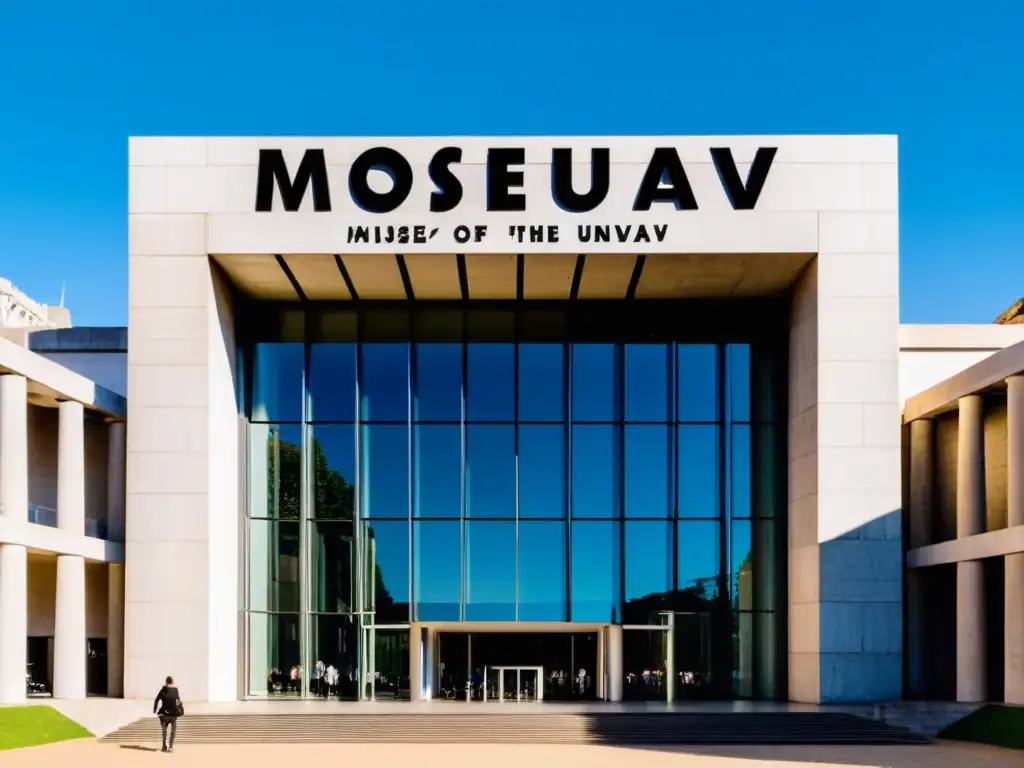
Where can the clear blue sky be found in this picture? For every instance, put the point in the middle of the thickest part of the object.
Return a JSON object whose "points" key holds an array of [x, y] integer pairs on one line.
{"points": [[77, 79]]}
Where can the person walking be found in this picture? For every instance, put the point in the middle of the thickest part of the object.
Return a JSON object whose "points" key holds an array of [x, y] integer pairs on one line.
{"points": [[168, 707]]}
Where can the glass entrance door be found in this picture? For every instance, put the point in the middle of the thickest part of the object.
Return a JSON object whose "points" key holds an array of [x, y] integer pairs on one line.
{"points": [[386, 661], [514, 684]]}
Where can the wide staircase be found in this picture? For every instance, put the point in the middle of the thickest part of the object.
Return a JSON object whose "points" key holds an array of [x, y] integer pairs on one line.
{"points": [[641, 728]]}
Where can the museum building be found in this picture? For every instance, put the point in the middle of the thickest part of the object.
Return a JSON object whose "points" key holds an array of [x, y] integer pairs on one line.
{"points": [[479, 418]]}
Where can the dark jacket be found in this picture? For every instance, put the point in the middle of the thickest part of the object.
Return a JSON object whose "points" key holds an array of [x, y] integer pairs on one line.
{"points": [[168, 702]]}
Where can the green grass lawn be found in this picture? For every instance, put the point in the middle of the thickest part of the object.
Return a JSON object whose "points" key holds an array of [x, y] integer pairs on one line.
{"points": [[34, 725], [992, 724]]}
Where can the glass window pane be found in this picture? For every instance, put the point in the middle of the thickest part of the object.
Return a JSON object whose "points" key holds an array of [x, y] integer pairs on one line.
{"points": [[595, 571], [743, 679], [698, 382], [542, 471], [384, 385], [332, 382], [332, 560], [491, 471], [698, 488], [274, 652], [648, 464], [647, 382], [737, 361], [437, 574], [275, 470], [542, 574], [438, 392], [595, 471], [490, 382], [595, 382], [384, 471], [490, 571], [273, 571], [698, 561], [753, 565], [277, 382], [541, 382], [648, 569], [334, 471], [740, 471], [437, 471], [334, 643], [386, 557]]}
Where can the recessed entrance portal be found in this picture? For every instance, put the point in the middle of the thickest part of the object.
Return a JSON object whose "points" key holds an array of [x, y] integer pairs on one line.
{"points": [[518, 666]]}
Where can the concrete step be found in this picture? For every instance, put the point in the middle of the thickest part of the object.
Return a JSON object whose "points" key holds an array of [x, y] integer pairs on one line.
{"points": [[541, 728]]}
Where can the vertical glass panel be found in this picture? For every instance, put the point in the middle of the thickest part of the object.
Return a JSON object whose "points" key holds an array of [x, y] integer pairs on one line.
{"points": [[332, 382], [647, 382], [766, 462], [437, 574], [386, 556], [698, 489], [648, 464], [595, 382], [698, 382], [273, 566], [766, 650], [644, 653], [491, 471], [745, 643], [595, 571], [737, 362], [334, 643], [391, 664], [595, 471], [698, 563], [753, 564], [332, 563], [437, 471], [384, 470], [542, 471], [693, 655], [739, 470], [334, 471], [541, 382], [275, 470], [542, 571], [384, 385], [648, 570], [438, 384], [277, 382], [490, 382], [490, 570], [274, 655]]}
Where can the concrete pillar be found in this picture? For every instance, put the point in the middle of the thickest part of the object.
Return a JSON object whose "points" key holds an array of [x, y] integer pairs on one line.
{"points": [[1014, 564], [970, 576], [115, 630], [115, 480], [601, 671], [69, 629], [71, 468], [614, 662], [14, 449], [922, 481], [13, 622], [430, 662], [415, 662]]}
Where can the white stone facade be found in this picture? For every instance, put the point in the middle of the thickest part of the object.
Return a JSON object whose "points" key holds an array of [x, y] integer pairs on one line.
{"points": [[833, 198]]}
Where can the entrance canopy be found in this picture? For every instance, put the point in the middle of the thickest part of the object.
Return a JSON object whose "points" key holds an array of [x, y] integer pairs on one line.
{"points": [[339, 277]]}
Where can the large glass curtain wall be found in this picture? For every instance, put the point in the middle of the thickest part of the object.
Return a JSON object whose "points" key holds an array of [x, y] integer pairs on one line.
{"points": [[393, 479]]}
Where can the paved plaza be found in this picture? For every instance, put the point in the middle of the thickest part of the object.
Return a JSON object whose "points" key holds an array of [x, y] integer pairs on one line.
{"points": [[89, 754]]}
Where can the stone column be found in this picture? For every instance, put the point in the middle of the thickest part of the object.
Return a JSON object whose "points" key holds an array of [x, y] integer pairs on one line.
{"points": [[115, 630], [14, 449], [71, 468], [415, 662], [614, 662], [922, 481], [1014, 564], [970, 578], [13, 622], [69, 629], [115, 480]]}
